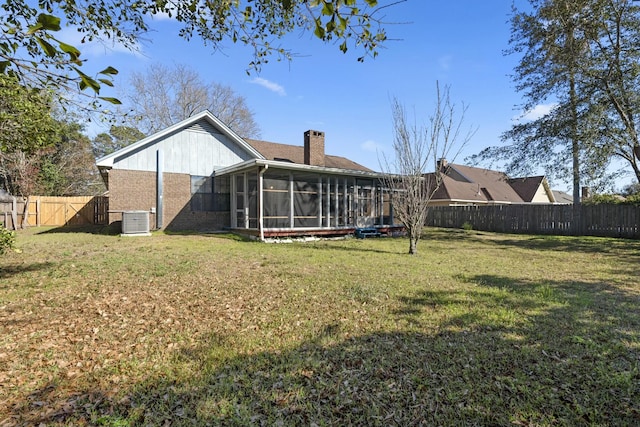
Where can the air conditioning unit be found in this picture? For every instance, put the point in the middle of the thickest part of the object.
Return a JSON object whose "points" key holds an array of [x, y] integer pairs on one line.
{"points": [[135, 223]]}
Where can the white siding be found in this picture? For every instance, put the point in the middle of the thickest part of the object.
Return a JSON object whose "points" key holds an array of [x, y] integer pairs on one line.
{"points": [[541, 196], [197, 150]]}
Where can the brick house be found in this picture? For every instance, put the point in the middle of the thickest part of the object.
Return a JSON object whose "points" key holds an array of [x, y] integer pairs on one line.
{"points": [[200, 175]]}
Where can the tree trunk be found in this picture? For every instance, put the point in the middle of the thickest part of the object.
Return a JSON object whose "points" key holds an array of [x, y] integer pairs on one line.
{"points": [[413, 241], [634, 164], [25, 213], [575, 143], [413, 246]]}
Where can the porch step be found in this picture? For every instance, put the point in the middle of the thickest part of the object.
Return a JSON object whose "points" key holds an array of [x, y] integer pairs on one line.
{"points": [[362, 233]]}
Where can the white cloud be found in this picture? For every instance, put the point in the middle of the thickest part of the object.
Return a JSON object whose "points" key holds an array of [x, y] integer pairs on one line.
{"points": [[537, 112], [371, 146], [70, 35], [445, 62], [272, 86]]}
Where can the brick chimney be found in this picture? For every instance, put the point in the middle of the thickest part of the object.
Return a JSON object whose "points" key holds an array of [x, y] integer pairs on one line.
{"points": [[314, 148], [442, 165]]}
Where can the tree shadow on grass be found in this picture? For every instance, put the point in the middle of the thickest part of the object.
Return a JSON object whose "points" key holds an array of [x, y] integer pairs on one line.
{"points": [[356, 248], [585, 244], [498, 353], [13, 270]]}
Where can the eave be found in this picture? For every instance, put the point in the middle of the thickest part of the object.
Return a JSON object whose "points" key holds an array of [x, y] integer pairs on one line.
{"points": [[252, 163]]}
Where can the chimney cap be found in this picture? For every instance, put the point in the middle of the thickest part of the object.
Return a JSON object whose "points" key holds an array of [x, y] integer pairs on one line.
{"points": [[314, 133]]}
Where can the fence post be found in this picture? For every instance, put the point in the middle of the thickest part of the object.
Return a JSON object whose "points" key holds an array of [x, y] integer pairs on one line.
{"points": [[14, 213], [38, 212]]}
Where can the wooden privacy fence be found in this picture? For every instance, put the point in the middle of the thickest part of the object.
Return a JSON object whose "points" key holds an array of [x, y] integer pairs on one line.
{"points": [[56, 211], [596, 220]]}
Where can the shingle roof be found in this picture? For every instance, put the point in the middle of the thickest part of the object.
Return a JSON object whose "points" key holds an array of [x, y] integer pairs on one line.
{"points": [[476, 184], [562, 197], [295, 154], [526, 187]]}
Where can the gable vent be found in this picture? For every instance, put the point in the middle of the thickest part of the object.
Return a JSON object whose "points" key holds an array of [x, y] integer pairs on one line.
{"points": [[203, 126], [135, 223]]}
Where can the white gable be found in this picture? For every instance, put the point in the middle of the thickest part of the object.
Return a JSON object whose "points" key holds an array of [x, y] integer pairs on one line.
{"points": [[197, 146], [541, 195]]}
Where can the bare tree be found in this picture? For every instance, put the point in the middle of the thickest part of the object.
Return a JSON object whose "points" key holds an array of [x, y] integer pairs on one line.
{"points": [[162, 96], [417, 150]]}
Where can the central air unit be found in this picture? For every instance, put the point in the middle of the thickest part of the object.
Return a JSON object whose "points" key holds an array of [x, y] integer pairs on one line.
{"points": [[135, 223]]}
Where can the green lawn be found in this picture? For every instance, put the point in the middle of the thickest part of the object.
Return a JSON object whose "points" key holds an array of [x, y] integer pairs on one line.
{"points": [[477, 329]]}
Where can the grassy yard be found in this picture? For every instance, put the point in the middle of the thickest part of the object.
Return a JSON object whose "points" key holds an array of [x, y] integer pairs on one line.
{"points": [[478, 329]]}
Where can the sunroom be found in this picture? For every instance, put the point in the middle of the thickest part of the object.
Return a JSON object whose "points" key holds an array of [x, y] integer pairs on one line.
{"points": [[275, 198]]}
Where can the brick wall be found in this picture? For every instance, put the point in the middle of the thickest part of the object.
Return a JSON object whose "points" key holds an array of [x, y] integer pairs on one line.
{"points": [[136, 190], [131, 190]]}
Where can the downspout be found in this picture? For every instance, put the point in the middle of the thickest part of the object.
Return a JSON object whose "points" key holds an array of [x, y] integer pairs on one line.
{"points": [[159, 195], [261, 202]]}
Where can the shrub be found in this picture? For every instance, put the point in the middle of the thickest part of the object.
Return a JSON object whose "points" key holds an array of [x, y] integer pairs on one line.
{"points": [[612, 199], [601, 199], [7, 239], [467, 226]]}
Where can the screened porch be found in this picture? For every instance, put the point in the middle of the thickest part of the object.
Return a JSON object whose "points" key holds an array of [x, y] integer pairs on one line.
{"points": [[270, 201]]}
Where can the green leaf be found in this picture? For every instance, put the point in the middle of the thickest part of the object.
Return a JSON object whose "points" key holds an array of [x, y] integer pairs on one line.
{"points": [[73, 52], [327, 8], [331, 26], [32, 29], [49, 22], [48, 49], [319, 31], [109, 71], [372, 3], [114, 101], [106, 81], [87, 82], [343, 23], [3, 66]]}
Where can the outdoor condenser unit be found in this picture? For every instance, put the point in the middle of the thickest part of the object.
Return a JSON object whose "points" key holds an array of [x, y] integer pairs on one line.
{"points": [[135, 222]]}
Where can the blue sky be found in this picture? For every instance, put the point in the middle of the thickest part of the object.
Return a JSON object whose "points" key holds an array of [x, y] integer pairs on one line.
{"points": [[458, 43]]}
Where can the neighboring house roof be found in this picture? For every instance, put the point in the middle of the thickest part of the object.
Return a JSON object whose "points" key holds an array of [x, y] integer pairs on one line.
{"points": [[526, 187], [562, 197], [295, 154], [467, 184], [532, 188]]}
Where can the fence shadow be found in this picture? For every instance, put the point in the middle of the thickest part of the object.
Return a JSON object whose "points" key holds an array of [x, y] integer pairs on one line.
{"points": [[112, 229]]}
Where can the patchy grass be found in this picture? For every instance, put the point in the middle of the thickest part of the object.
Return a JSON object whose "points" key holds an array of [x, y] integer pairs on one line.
{"points": [[478, 329]]}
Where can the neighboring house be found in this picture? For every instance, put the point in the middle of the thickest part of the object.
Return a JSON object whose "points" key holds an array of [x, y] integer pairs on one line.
{"points": [[562, 198], [200, 175], [466, 185]]}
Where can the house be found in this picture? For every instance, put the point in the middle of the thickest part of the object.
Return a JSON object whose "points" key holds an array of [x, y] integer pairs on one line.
{"points": [[562, 198], [199, 175], [466, 185]]}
